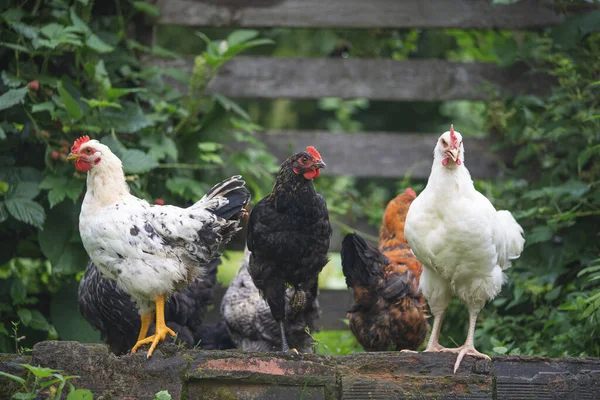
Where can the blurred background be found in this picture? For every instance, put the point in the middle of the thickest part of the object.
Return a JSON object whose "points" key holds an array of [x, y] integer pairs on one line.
{"points": [[139, 77]]}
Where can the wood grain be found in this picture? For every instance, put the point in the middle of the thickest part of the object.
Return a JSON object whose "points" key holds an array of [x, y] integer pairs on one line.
{"points": [[375, 79], [379, 154], [524, 14]]}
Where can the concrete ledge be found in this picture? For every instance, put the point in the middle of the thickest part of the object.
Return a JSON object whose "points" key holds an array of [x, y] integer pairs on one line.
{"points": [[196, 374]]}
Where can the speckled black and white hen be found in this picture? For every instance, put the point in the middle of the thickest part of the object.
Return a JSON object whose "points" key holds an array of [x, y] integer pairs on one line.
{"points": [[150, 251], [251, 324], [111, 312]]}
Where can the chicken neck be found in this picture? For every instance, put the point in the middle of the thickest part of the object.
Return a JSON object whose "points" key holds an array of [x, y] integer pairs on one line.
{"points": [[105, 185]]}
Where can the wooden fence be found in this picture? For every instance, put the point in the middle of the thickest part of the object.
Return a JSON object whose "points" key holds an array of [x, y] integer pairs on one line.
{"points": [[389, 155]]}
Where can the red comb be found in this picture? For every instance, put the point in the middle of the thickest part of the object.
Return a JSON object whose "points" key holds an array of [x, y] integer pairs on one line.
{"points": [[453, 139], [313, 152], [410, 192], [79, 142]]}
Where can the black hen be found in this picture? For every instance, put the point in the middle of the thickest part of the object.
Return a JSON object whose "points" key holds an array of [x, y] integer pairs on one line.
{"points": [[249, 320], [109, 310], [288, 236]]}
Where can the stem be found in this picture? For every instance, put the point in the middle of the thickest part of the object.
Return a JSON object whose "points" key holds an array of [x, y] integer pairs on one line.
{"points": [[120, 18], [186, 166]]}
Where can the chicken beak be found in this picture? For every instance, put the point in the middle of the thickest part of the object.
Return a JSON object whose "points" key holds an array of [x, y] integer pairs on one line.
{"points": [[72, 156], [319, 165], [452, 153]]}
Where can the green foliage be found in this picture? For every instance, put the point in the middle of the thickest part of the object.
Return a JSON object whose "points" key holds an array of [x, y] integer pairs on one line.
{"points": [[47, 382], [69, 75]]}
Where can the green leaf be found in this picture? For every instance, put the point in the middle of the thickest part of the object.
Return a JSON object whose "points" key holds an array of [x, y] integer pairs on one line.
{"points": [[209, 147], [16, 47], [38, 321], [25, 316], [81, 394], [23, 190], [241, 36], [230, 105], [61, 187], [137, 162], [78, 22], [13, 97], [98, 45], [586, 155], [59, 227], [185, 187], [45, 106], [11, 80], [27, 211], [128, 120], [94, 103], [500, 350], [160, 147], [14, 378], [162, 395], [18, 291], [3, 212], [146, 8], [115, 93], [69, 102], [539, 234], [162, 52], [40, 372], [575, 27]]}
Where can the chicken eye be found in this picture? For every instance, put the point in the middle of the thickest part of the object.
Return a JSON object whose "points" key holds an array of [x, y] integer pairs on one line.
{"points": [[304, 159], [88, 151], [443, 142]]}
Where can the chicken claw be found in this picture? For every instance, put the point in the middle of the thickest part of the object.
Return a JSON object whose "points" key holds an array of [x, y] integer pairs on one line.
{"points": [[161, 329], [408, 351], [468, 350]]}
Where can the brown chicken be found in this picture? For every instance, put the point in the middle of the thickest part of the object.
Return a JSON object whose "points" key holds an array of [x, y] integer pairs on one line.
{"points": [[389, 310]]}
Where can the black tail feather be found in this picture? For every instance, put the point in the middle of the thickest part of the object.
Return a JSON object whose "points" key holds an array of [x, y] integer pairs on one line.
{"points": [[235, 192], [361, 262]]}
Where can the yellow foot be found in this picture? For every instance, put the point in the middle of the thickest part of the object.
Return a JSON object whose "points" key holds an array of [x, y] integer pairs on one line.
{"points": [[159, 336], [467, 350]]}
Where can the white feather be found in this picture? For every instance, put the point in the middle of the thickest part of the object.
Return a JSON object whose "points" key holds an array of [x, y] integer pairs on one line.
{"points": [[462, 241], [149, 250]]}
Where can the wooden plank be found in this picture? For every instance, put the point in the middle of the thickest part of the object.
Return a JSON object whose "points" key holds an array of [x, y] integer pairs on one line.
{"points": [[378, 154], [524, 14], [376, 79], [334, 306]]}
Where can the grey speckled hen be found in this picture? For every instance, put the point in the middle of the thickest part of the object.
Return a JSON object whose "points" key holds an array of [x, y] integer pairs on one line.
{"points": [[251, 324]]}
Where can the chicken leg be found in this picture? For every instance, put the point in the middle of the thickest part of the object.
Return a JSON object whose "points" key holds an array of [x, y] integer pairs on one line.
{"points": [[161, 328], [434, 344], [146, 320], [469, 346]]}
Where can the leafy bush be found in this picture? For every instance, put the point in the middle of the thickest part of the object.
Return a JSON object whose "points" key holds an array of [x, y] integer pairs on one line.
{"points": [[66, 75]]}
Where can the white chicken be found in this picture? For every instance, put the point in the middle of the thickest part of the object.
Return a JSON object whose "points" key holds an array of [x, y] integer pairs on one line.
{"points": [[149, 250], [462, 241]]}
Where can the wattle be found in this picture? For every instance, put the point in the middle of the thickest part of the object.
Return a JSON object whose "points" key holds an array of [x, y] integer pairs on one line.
{"points": [[312, 174], [82, 166]]}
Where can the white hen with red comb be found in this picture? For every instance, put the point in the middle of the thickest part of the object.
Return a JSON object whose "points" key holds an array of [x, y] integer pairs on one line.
{"points": [[462, 241]]}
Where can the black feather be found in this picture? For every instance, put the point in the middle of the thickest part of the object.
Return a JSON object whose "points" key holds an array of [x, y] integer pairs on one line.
{"points": [[288, 234], [360, 262], [109, 310]]}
